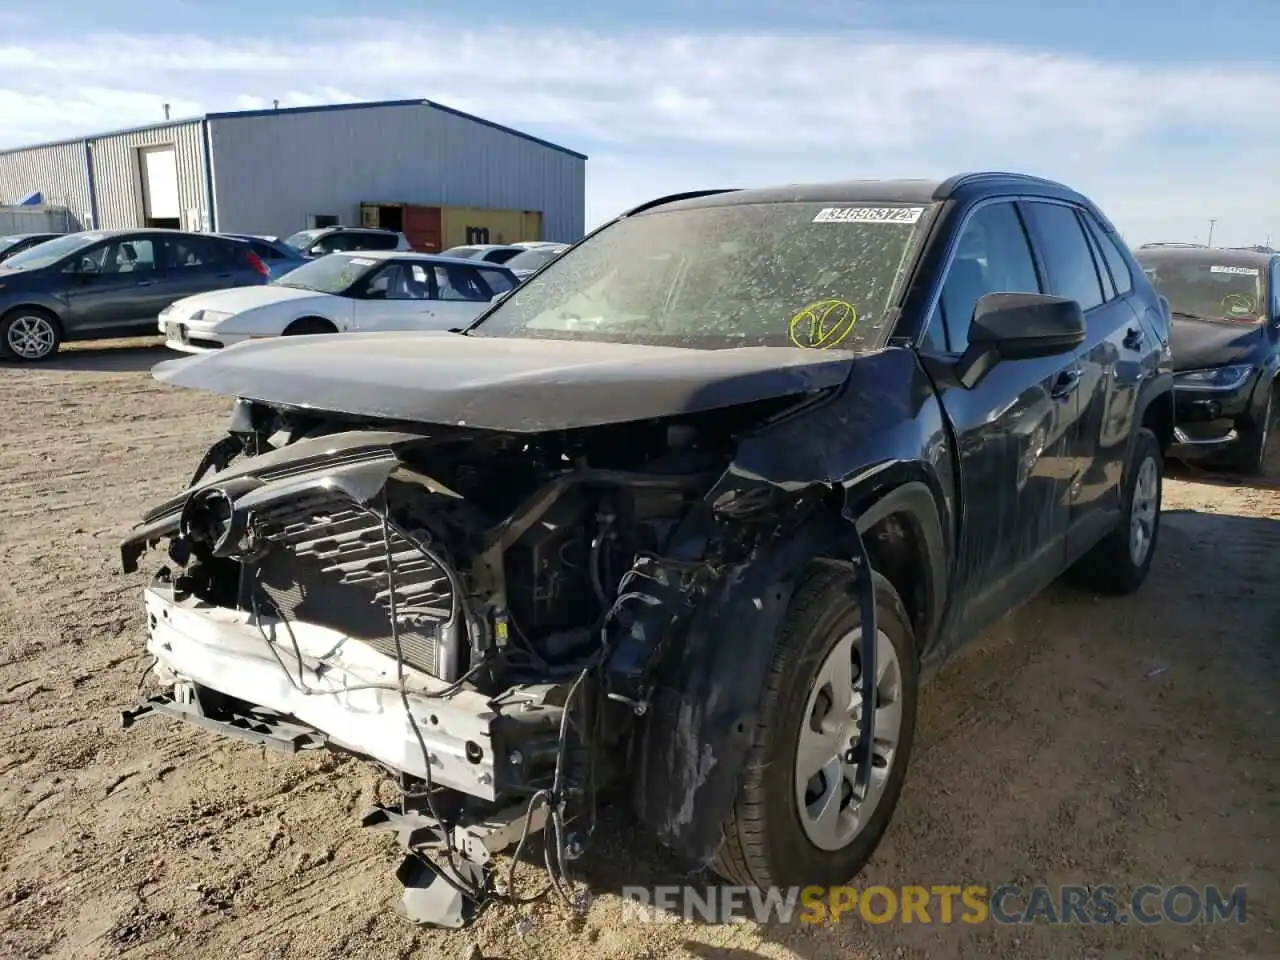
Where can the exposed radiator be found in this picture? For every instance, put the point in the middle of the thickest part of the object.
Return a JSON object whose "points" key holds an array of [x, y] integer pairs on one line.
{"points": [[326, 564]]}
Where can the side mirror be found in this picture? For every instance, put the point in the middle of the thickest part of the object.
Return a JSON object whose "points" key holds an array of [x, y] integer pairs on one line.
{"points": [[1019, 326]]}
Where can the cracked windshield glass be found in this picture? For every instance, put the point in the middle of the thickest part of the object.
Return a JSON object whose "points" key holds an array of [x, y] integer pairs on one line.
{"points": [[764, 274]]}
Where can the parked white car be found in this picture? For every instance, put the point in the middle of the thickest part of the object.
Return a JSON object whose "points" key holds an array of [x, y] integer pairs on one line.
{"points": [[340, 292]]}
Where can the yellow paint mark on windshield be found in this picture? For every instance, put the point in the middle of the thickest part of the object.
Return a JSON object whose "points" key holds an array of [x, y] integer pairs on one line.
{"points": [[1239, 304], [823, 325]]}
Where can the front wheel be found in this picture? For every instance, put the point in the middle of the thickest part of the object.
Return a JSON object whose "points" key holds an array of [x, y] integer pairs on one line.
{"points": [[795, 821], [29, 334], [1251, 456]]}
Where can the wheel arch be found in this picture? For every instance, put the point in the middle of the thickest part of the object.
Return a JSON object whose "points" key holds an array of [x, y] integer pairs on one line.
{"points": [[692, 745]]}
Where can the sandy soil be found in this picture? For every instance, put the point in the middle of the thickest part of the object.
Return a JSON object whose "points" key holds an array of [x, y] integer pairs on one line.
{"points": [[1083, 740]]}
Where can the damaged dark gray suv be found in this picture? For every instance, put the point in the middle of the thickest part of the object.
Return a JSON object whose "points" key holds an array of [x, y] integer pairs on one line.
{"points": [[625, 538]]}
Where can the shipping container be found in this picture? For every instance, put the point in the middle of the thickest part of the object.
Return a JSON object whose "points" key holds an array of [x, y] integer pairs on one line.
{"points": [[432, 229], [461, 225]]}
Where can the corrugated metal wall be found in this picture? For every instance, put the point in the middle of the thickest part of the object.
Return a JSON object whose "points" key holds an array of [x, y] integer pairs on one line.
{"points": [[58, 171], [117, 173], [271, 171]]}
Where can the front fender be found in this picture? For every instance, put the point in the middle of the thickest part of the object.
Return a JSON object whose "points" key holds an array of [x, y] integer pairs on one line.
{"points": [[692, 748]]}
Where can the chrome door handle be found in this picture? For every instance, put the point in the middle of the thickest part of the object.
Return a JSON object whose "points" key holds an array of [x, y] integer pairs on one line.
{"points": [[1067, 383]]}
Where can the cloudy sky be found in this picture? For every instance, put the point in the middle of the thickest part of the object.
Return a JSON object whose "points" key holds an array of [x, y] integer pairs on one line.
{"points": [[1167, 112]]}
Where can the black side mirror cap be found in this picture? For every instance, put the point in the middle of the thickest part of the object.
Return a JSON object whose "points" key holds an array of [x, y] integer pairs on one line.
{"points": [[1019, 326]]}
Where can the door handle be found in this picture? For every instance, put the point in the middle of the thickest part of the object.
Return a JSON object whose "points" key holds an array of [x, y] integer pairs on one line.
{"points": [[145, 283], [1133, 338], [1066, 383]]}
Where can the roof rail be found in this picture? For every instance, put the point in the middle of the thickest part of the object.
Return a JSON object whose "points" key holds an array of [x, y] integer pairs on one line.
{"points": [[952, 184], [673, 197]]}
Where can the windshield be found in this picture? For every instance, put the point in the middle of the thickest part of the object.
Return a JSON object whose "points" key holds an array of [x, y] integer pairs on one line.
{"points": [[760, 274], [302, 239], [1209, 291], [533, 258], [51, 251], [7, 242], [464, 252], [333, 273]]}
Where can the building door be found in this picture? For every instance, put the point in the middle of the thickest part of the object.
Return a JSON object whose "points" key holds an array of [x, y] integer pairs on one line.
{"points": [[159, 166]]}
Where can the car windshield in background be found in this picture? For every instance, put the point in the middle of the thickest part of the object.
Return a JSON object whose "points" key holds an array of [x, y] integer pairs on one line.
{"points": [[760, 274], [1210, 291], [333, 273], [7, 242], [464, 252], [533, 258], [302, 239], [51, 251]]}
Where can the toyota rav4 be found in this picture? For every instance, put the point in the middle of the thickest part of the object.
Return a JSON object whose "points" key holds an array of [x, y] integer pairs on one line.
{"points": [[679, 523]]}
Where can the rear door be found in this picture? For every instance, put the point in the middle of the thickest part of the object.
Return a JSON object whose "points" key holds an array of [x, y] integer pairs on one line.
{"points": [[116, 286], [1015, 428], [198, 264], [1073, 251]]}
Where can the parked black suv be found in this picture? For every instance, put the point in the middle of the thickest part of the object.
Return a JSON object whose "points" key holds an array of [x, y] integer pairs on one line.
{"points": [[626, 534], [1226, 348], [114, 283]]}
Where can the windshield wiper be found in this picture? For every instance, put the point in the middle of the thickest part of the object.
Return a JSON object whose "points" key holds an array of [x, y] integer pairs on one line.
{"points": [[1183, 315]]}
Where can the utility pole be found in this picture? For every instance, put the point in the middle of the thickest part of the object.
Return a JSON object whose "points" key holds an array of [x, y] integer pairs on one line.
{"points": [[1211, 225]]}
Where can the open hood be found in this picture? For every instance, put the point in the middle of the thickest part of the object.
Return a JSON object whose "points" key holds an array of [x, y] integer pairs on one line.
{"points": [[498, 383], [1199, 344]]}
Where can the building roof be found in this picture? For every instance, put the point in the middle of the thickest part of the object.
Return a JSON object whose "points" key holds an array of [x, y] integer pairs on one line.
{"points": [[324, 108]]}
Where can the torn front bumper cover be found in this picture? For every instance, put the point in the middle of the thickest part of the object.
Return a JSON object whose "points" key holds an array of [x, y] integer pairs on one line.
{"points": [[342, 689], [238, 675]]}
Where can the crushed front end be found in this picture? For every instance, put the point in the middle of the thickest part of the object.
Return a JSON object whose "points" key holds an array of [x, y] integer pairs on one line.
{"points": [[478, 613]]}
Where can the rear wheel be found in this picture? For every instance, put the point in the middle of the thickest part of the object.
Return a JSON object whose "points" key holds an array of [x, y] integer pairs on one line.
{"points": [[29, 334], [309, 325], [795, 821], [1120, 562]]}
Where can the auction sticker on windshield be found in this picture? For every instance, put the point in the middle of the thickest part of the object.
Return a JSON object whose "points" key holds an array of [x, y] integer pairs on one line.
{"points": [[1238, 271], [868, 215]]}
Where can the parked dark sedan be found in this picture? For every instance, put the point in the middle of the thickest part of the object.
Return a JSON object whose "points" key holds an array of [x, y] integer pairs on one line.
{"points": [[1226, 348], [15, 243], [97, 284]]}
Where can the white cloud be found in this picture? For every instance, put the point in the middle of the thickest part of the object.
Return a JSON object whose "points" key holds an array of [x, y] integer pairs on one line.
{"points": [[660, 111]]}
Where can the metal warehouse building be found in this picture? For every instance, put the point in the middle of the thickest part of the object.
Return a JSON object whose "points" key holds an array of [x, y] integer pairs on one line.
{"points": [[282, 170]]}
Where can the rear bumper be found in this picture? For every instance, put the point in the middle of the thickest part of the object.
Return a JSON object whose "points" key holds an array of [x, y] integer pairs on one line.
{"points": [[227, 651]]}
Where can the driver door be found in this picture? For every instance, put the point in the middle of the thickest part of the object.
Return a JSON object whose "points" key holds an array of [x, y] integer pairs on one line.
{"points": [[1016, 430], [116, 286], [398, 297]]}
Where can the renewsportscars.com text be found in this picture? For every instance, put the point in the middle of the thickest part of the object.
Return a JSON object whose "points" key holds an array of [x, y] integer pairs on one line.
{"points": [[937, 904]]}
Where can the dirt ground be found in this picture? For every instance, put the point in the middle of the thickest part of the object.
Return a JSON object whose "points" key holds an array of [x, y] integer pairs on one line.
{"points": [[1084, 740]]}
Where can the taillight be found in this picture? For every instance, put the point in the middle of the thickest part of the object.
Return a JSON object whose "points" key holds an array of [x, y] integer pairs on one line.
{"points": [[258, 266]]}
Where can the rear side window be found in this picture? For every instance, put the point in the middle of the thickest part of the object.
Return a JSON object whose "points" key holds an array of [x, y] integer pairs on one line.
{"points": [[459, 283], [375, 241], [1068, 260], [1116, 262], [496, 281], [265, 251]]}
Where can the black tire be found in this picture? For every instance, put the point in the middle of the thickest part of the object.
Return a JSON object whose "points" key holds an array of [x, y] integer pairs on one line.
{"points": [[308, 326], [765, 844], [28, 315], [1110, 567], [1250, 455]]}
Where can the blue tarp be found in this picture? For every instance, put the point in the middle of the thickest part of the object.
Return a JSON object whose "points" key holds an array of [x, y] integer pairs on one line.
{"points": [[32, 200]]}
